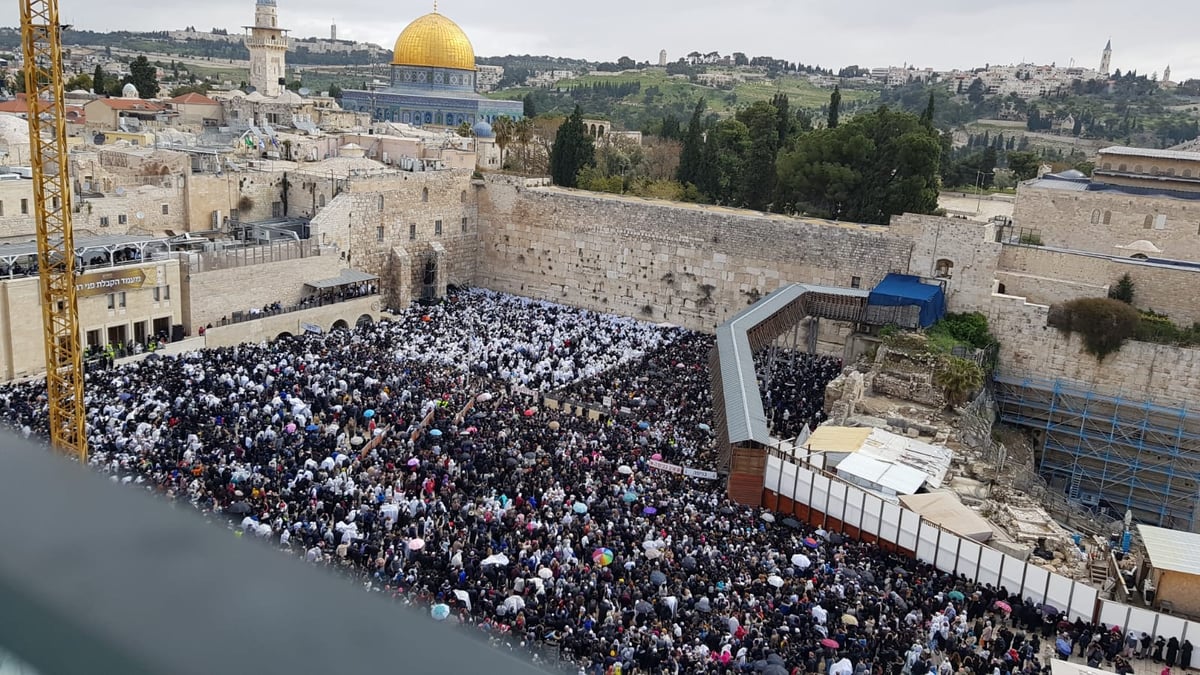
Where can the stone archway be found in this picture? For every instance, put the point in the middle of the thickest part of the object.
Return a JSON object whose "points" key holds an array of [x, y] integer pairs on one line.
{"points": [[364, 320], [340, 324], [283, 335]]}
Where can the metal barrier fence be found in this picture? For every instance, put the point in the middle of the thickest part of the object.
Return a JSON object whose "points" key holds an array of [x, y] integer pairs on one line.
{"points": [[277, 251], [819, 498]]}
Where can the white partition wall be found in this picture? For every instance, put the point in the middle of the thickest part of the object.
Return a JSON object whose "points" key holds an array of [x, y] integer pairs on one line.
{"points": [[1083, 602], [927, 543], [1012, 574], [820, 493], [837, 501], [1143, 621], [968, 558], [1191, 631], [989, 566], [1036, 579], [910, 524], [1058, 593], [890, 530], [854, 510], [947, 554], [1172, 626], [1113, 613], [872, 520]]}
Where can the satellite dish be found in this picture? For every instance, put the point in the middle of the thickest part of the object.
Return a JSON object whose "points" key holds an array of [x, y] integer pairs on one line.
{"points": [[140, 215], [304, 91], [251, 89], [120, 192]]}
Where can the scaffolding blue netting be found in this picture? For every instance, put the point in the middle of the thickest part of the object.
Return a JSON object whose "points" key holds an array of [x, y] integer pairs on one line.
{"points": [[903, 290]]}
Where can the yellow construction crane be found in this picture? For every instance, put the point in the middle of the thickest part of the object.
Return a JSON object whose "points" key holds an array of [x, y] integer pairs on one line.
{"points": [[41, 38]]}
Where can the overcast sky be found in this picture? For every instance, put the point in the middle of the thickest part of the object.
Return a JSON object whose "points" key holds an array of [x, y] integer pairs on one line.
{"points": [[941, 34]]}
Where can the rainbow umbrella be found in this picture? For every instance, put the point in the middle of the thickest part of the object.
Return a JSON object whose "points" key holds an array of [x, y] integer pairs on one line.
{"points": [[811, 543], [602, 557]]}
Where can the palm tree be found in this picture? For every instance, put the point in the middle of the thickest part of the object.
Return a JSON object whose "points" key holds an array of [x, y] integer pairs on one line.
{"points": [[958, 378], [504, 129], [524, 136]]}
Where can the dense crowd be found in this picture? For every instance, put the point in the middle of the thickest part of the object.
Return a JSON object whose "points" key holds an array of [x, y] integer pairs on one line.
{"points": [[413, 456]]}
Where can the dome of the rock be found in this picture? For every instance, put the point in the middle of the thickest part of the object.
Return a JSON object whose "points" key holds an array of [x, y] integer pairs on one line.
{"points": [[433, 41]]}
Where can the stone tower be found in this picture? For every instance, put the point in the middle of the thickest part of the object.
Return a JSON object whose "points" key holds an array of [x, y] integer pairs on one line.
{"points": [[268, 45], [1167, 74], [1106, 58], [662, 58], [333, 30]]}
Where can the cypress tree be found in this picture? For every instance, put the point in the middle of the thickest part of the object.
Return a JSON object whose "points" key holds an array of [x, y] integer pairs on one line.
{"points": [[835, 102], [690, 156], [572, 150], [98, 80]]}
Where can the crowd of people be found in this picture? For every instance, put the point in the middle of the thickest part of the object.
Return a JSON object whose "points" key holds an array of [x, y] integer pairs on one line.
{"points": [[415, 456], [793, 389]]}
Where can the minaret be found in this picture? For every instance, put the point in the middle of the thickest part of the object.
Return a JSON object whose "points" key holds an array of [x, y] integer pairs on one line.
{"points": [[268, 45], [1106, 58]]}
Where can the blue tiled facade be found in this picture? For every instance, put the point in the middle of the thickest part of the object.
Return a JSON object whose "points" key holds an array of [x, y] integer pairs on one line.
{"points": [[435, 96]]}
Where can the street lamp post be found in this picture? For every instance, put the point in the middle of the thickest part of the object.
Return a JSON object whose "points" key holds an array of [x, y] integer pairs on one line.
{"points": [[979, 188]]}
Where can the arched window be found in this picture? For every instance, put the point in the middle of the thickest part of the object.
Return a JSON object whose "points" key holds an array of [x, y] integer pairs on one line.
{"points": [[381, 203], [1171, 172], [1137, 168], [1108, 166], [463, 197], [1107, 217], [1122, 167], [1096, 217], [1154, 171], [944, 269], [320, 200], [424, 194], [1187, 173], [1148, 223]]}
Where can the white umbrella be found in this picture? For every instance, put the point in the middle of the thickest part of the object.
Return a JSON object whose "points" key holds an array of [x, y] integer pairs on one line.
{"points": [[484, 397], [465, 597], [654, 553], [498, 559], [545, 573], [514, 603], [624, 470], [800, 560], [768, 517], [775, 580], [416, 544]]}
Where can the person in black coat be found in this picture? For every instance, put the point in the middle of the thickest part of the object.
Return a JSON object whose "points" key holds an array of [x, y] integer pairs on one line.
{"points": [[1158, 649], [1172, 651], [1185, 655]]}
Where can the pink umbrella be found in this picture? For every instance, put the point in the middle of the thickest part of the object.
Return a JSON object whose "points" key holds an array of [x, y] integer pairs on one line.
{"points": [[829, 642], [290, 428], [416, 544], [414, 462], [529, 412], [1003, 606], [656, 456]]}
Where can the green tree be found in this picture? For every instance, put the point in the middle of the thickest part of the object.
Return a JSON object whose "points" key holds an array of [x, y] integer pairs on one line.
{"points": [[529, 108], [144, 76], [1024, 165], [1123, 289], [572, 150], [758, 179], [727, 153], [976, 92], [294, 85], [691, 156], [98, 80], [81, 81], [873, 167], [927, 116], [835, 102], [464, 130], [786, 123], [504, 130], [958, 379], [335, 92]]}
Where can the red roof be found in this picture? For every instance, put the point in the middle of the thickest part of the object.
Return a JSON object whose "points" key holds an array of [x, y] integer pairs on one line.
{"points": [[192, 98], [134, 104], [17, 105]]}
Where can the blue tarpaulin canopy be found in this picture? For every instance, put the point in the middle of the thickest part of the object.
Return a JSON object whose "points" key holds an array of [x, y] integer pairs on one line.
{"points": [[900, 290]]}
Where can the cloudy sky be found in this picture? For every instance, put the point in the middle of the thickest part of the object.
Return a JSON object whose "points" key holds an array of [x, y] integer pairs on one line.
{"points": [[941, 34]]}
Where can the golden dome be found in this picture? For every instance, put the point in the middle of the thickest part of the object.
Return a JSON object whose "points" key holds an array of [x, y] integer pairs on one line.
{"points": [[436, 42]]}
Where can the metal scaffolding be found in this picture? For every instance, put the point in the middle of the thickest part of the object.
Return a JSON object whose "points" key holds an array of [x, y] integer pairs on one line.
{"points": [[1110, 452]]}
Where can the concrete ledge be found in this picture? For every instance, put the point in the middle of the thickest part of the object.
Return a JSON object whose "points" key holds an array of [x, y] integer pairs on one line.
{"points": [[293, 323]]}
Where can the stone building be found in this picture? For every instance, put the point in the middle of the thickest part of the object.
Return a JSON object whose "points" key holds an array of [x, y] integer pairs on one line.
{"points": [[433, 80], [268, 45]]}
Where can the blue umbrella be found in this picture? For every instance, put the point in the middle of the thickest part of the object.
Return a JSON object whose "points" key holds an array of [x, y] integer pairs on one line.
{"points": [[440, 612], [643, 425], [435, 432], [579, 507], [649, 510], [369, 413], [630, 497], [311, 427], [124, 396]]}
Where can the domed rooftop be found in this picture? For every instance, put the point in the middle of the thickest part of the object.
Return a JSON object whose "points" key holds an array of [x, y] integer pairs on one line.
{"points": [[482, 130], [129, 91], [436, 42]]}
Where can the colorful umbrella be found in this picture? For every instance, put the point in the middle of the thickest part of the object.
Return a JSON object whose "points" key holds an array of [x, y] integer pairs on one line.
{"points": [[530, 412], [1003, 606], [956, 595], [435, 432], [649, 510], [656, 456], [290, 428], [602, 557], [643, 425], [440, 612], [368, 413], [829, 642], [629, 497], [311, 427], [414, 462], [579, 507], [811, 543]]}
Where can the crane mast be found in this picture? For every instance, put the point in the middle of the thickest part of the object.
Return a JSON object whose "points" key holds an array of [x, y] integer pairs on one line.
{"points": [[41, 39]]}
